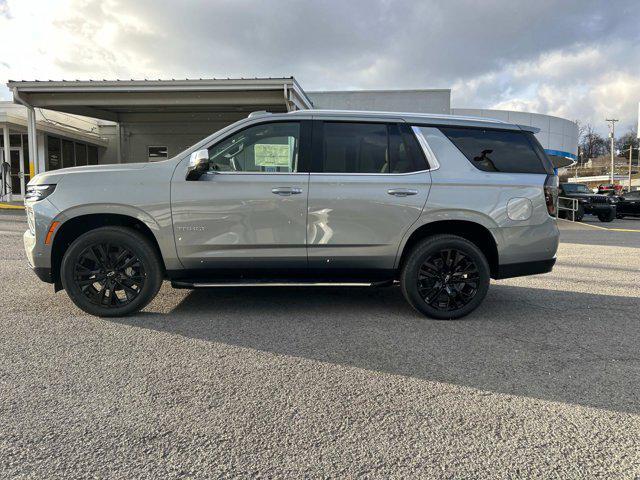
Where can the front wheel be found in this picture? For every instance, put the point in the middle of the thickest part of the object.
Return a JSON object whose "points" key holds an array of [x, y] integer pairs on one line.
{"points": [[607, 217], [111, 271], [445, 277]]}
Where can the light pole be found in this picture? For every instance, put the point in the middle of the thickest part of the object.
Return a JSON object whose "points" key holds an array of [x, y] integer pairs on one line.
{"points": [[613, 136]]}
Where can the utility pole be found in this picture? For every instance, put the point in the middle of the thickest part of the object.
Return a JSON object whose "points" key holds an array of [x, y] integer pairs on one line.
{"points": [[630, 157], [612, 134]]}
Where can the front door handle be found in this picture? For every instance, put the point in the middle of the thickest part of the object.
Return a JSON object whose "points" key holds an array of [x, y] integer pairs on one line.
{"points": [[286, 191], [401, 192]]}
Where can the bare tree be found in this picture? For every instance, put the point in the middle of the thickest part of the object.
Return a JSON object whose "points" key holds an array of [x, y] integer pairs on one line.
{"points": [[591, 143], [625, 141]]}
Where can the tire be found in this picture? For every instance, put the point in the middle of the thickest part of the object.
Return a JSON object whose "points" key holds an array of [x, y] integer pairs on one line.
{"points": [[111, 271], [607, 217], [579, 213], [419, 282]]}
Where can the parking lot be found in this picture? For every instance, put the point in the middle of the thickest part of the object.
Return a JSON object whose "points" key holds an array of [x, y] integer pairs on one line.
{"points": [[542, 380]]}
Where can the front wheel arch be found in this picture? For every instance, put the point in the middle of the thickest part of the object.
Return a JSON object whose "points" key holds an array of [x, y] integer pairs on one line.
{"points": [[77, 226]]}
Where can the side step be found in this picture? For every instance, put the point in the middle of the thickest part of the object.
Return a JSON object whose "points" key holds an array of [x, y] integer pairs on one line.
{"points": [[266, 283]]}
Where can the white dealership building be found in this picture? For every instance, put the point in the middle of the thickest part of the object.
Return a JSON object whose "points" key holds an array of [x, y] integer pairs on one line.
{"points": [[57, 124]]}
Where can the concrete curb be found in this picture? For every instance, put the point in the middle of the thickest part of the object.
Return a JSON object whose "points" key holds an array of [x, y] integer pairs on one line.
{"points": [[9, 206]]}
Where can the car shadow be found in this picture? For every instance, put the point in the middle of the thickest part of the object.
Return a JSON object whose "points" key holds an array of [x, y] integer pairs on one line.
{"points": [[547, 344]]}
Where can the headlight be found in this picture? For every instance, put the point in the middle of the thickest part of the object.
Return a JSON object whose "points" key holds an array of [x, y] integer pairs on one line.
{"points": [[613, 200], [38, 192]]}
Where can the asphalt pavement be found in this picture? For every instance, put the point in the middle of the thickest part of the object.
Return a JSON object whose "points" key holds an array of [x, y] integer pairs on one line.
{"points": [[543, 380]]}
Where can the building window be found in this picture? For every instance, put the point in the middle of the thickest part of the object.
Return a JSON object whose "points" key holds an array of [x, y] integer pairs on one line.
{"points": [[68, 156], [92, 156], [156, 153], [81, 154], [54, 154]]}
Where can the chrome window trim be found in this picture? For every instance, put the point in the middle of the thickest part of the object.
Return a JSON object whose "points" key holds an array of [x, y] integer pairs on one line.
{"points": [[369, 174], [431, 157], [213, 173]]}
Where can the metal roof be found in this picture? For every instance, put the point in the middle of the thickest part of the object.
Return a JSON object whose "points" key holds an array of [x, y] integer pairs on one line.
{"points": [[107, 99]]}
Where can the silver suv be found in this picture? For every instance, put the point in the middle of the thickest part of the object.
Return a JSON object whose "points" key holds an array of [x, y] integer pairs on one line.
{"points": [[440, 204]]}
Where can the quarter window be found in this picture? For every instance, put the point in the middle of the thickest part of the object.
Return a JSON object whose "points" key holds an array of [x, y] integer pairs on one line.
{"points": [[264, 148], [497, 150]]}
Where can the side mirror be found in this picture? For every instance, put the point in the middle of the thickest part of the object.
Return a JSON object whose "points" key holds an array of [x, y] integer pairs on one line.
{"points": [[198, 164]]}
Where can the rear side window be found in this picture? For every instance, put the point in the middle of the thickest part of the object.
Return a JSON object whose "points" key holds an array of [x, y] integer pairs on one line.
{"points": [[355, 148], [349, 147], [498, 150]]}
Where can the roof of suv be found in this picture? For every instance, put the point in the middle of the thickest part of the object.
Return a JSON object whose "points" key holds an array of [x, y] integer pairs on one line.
{"points": [[418, 118]]}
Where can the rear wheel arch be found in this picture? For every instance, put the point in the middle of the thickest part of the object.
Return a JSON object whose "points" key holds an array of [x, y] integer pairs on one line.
{"points": [[476, 233], [74, 227]]}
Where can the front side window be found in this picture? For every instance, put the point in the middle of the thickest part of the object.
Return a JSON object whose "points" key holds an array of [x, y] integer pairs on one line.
{"points": [[264, 148], [496, 150]]}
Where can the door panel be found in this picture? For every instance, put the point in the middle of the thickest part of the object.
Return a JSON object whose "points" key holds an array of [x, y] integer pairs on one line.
{"points": [[234, 220], [357, 221]]}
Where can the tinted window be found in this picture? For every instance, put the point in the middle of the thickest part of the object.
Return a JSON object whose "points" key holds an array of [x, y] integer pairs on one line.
{"points": [[495, 150], [268, 147], [355, 148], [68, 157], [92, 155], [81, 154], [54, 155], [575, 188], [406, 154]]}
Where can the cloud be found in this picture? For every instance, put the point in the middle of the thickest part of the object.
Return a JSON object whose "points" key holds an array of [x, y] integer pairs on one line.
{"points": [[577, 59]]}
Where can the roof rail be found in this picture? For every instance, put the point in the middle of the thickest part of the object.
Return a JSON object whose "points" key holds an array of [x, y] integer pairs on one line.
{"points": [[259, 113]]}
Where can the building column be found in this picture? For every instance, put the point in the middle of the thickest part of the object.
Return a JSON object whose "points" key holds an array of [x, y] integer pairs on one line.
{"points": [[119, 143], [33, 140], [7, 158]]}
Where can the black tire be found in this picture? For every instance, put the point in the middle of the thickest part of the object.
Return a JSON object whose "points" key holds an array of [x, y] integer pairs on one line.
{"points": [[607, 217], [579, 213], [429, 268], [111, 271]]}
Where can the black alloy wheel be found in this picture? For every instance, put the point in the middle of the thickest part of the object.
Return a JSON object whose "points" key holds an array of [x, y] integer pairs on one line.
{"points": [[445, 276], [109, 275], [448, 280], [112, 271]]}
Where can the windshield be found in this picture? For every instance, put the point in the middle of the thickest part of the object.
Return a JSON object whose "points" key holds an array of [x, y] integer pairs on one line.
{"points": [[575, 188]]}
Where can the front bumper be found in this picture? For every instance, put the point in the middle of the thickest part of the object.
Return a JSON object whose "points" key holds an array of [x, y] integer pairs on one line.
{"points": [[595, 209], [40, 214]]}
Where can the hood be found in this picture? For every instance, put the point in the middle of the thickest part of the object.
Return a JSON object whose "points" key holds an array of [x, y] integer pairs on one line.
{"points": [[55, 176]]}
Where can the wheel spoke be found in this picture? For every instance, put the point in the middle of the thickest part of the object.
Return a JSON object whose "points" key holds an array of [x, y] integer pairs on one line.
{"points": [[100, 273], [448, 279]]}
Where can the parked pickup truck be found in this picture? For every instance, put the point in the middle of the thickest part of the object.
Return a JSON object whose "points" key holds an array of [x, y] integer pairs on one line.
{"points": [[589, 203]]}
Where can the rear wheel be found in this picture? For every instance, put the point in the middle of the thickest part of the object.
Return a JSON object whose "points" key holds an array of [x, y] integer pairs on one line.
{"points": [[445, 277], [111, 271]]}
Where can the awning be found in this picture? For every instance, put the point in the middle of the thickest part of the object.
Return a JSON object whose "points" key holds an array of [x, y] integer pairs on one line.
{"points": [[113, 99]]}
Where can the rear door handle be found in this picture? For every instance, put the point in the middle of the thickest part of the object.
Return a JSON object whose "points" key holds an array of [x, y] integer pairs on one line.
{"points": [[286, 191], [401, 192]]}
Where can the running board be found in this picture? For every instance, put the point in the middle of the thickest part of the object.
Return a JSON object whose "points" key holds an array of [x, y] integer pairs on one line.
{"points": [[203, 284]]}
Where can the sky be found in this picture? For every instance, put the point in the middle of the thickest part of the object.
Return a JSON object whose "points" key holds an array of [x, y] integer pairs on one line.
{"points": [[576, 59]]}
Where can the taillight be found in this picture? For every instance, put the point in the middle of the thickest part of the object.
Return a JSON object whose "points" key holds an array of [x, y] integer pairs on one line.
{"points": [[551, 194]]}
